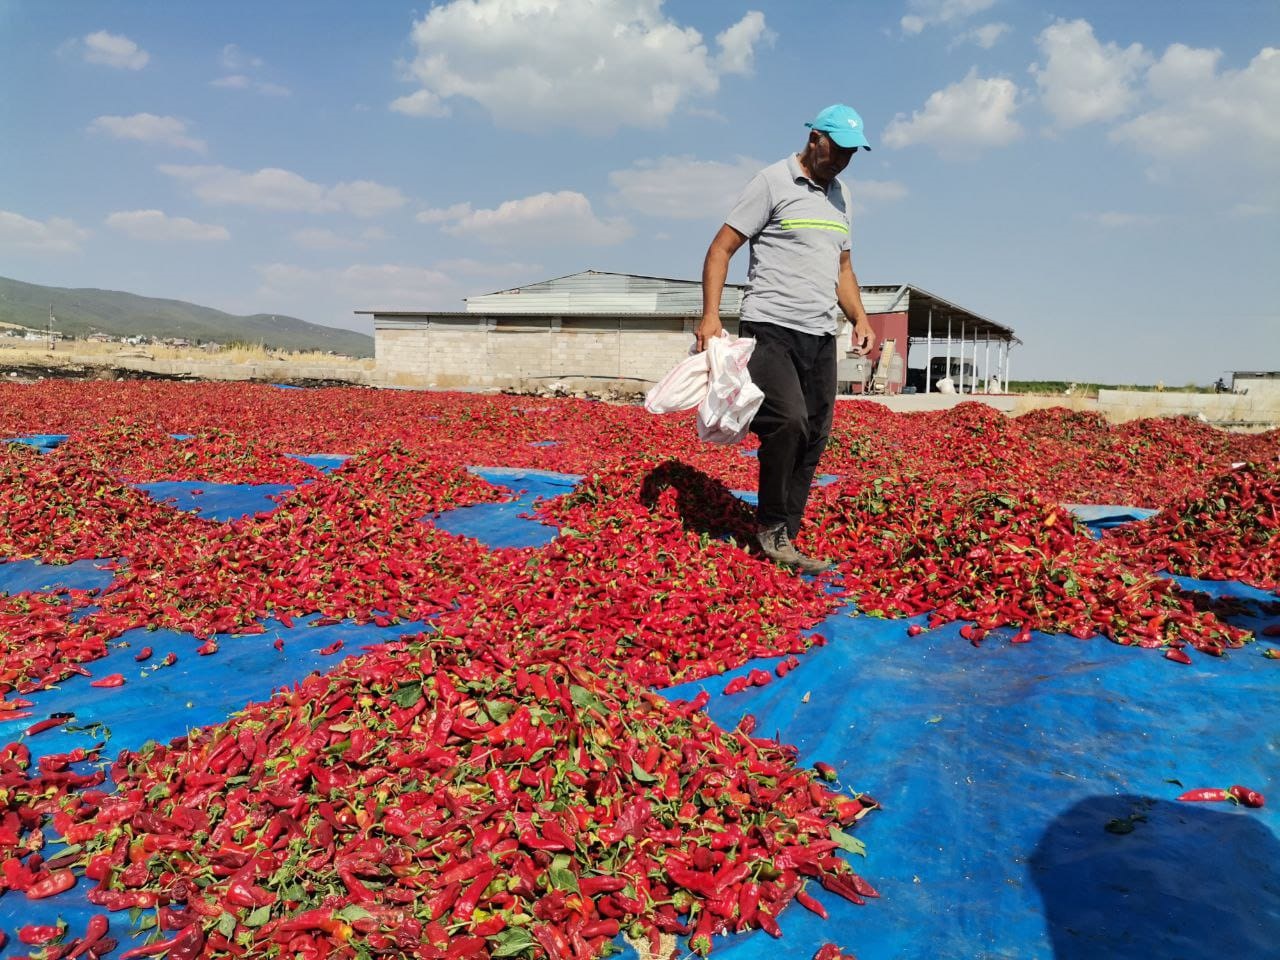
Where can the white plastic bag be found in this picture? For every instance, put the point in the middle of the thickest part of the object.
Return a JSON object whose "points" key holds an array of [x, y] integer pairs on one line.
{"points": [[715, 381]]}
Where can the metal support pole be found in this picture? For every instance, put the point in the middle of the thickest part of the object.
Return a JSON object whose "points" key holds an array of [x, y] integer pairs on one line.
{"points": [[986, 363], [1008, 349], [961, 385], [948, 373], [928, 351]]}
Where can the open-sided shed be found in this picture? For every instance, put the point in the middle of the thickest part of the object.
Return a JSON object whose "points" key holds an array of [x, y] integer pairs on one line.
{"points": [[602, 326]]}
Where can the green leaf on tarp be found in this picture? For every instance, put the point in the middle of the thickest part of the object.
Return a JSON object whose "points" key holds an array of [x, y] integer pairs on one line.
{"points": [[511, 942], [584, 698], [847, 842], [407, 695], [352, 912], [561, 877], [1176, 783], [227, 924], [258, 917], [641, 774], [499, 710]]}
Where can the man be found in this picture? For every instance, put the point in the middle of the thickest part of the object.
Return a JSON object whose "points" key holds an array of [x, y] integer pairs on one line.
{"points": [[796, 216]]}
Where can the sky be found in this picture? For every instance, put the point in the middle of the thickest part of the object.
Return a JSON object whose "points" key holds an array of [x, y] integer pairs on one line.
{"points": [[1103, 177]]}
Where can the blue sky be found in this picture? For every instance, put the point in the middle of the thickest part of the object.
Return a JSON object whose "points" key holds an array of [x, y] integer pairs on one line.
{"points": [[1104, 177]]}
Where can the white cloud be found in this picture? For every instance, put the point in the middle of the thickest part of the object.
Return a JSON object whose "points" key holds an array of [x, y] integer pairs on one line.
{"points": [[868, 194], [985, 36], [148, 128], [683, 188], [977, 112], [1084, 81], [237, 60], [420, 103], [55, 235], [272, 89], [1247, 211], [156, 225], [114, 50], [444, 214], [274, 189], [239, 65], [928, 13], [591, 64], [1199, 109], [1116, 219], [544, 219], [738, 43], [365, 286], [320, 238]]}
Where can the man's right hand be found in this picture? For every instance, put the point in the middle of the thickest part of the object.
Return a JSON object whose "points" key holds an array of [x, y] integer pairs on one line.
{"points": [[708, 329]]}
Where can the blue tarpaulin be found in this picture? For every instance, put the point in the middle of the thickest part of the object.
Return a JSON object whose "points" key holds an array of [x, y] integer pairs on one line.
{"points": [[1028, 790]]}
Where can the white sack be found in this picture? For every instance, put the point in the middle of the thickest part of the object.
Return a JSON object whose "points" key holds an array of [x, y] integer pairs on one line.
{"points": [[717, 382]]}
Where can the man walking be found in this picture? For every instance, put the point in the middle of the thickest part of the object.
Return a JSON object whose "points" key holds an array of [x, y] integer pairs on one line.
{"points": [[796, 215]]}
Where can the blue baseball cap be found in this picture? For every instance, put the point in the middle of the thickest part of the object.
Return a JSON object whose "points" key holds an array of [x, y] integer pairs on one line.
{"points": [[842, 124]]}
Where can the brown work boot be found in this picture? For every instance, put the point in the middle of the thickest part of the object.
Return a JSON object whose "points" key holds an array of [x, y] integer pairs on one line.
{"points": [[776, 544]]}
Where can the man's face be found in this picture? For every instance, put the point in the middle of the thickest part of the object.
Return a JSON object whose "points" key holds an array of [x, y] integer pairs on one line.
{"points": [[829, 158]]}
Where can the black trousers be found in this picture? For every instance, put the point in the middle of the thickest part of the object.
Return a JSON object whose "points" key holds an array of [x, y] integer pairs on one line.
{"points": [[797, 373]]}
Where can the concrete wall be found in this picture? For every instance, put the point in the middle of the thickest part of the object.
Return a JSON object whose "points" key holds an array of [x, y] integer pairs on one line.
{"points": [[269, 371], [515, 351], [1226, 409], [506, 351]]}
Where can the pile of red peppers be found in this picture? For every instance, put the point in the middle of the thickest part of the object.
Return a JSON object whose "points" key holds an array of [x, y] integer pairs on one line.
{"points": [[507, 784]]}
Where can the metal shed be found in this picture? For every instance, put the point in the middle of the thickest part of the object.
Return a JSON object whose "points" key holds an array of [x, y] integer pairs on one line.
{"points": [[603, 325]]}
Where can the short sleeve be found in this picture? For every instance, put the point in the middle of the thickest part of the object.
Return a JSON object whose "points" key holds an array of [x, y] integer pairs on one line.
{"points": [[753, 209]]}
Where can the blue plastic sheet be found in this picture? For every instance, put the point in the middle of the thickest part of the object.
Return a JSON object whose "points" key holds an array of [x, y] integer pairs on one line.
{"points": [[1000, 768], [328, 462], [44, 442], [1099, 517], [217, 501], [508, 524], [19, 576]]}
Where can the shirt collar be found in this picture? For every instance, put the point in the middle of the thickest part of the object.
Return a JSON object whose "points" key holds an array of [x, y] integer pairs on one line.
{"points": [[798, 174]]}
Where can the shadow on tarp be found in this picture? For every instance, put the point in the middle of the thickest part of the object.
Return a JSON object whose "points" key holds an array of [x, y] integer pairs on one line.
{"points": [[1205, 878], [161, 703], [976, 753], [500, 525]]}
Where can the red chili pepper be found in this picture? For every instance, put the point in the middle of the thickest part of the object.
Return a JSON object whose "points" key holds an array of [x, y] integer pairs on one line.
{"points": [[1176, 655], [736, 685], [57, 882], [829, 951], [94, 932], [1206, 795], [331, 648], [36, 934], [48, 724], [1250, 798], [809, 903], [143, 654], [111, 680]]}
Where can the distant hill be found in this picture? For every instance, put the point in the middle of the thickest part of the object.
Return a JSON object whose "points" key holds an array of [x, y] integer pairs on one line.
{"points": [[81, 312]]}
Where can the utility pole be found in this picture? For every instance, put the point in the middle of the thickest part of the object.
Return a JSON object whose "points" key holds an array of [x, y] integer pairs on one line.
{"points": [[49, 328]]}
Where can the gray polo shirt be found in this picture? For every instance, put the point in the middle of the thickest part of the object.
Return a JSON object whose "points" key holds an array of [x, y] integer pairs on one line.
{"points": [[797, 232]]}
